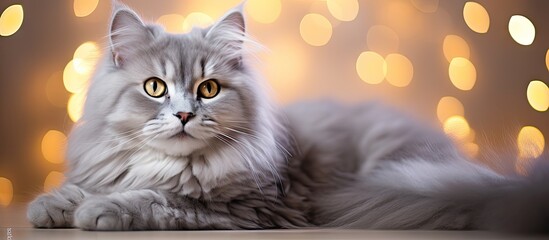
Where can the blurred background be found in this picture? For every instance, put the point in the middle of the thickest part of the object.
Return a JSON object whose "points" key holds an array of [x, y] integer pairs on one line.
{"points": [[478, 70]]}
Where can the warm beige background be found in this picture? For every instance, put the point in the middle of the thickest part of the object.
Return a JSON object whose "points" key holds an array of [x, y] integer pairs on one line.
{"points": [[32, 62]]}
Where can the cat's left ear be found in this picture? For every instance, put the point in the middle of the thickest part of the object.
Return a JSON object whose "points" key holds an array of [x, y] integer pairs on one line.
{"points": [[229, 33]]}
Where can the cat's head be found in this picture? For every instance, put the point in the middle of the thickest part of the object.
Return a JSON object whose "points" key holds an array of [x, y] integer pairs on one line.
{"points": [[178, 92]]}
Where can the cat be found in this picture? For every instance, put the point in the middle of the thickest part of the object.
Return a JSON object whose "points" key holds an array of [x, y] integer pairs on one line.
{"points": [[177, 132]]}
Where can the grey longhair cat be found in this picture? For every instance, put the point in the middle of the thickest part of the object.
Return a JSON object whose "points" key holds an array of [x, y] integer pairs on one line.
{"points": [[178, 133]]}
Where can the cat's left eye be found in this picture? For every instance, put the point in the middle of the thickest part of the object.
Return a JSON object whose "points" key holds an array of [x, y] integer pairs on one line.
{"points": [[208, 89], [155, 87]]}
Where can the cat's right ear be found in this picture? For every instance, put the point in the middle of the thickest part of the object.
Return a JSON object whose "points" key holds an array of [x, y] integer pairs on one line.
{"points": [[127, 32]]}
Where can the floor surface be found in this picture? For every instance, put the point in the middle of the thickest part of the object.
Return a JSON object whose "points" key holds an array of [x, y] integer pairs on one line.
{"points": [[13, 226]]}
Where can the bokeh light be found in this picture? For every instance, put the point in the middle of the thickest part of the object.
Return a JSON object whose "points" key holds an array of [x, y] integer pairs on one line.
{"points": [[75, 105], [547, 59], [399, 71], [382, 39], [522, 30], [371, 67], [457, 128], [449, 106], [426, 6], [53, 146], [315, 29], [53, 180], [196, 19], [11, 20], [263, 11], [476, 17], [455, 46], [470, 149], [74, 80], [84, 8], [173, 23], [6, 191], [343, 10], [462, 73], [538, 95], [530, 142], [85, 57]]}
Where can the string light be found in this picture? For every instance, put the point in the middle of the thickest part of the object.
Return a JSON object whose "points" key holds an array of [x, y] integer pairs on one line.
{"points": [[53, 146], [522, 30], [426, 6], [53, 180], [449, 106], [75, 106], [538, 95], [315, 29], [6, 192], [83, 8], [399, 70], [530, 142], [11, 20], [263, 11], [476, 17], [455, 46], [371, 67], [343, 10], [457, 128], [173, 23], [196, 19], [462, 73]]}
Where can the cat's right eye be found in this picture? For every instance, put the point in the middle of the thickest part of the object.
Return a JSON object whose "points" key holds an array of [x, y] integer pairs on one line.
{"points": [[155, 87]]}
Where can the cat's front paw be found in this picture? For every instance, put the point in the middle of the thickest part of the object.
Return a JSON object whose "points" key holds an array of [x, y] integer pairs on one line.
{"points": [[49, 211], [102, 214]]}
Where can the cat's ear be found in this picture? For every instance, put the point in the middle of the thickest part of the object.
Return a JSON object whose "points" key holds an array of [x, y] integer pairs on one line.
{"points": [[127, 32], [229, 33]]}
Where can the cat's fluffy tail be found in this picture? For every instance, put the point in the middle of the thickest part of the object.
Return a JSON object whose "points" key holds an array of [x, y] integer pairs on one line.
{"points": [[524, 208], [416, 194]]}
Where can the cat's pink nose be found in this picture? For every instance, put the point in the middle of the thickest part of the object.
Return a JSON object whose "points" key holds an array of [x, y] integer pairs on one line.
{"points": [[184, 116]]}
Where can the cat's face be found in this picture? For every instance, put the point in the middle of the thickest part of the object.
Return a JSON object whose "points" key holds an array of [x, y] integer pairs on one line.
{"points": [[179, 93]]}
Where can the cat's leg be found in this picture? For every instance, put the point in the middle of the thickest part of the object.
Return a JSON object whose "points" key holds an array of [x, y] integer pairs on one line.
{"points": [[56, 209], [148, 209]]}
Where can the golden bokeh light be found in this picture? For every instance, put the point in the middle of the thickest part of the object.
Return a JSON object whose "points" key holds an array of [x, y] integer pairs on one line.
{"points": [[538, 95], [462, 73], [75, 106], [11, 20], [457, 128], [382, 39], [263, 11], [53, 146], [470, 149], [530, 142], [343, 10], [371, 67], [53, 180], [84, 8], [85, 57], [426, 6], [547, 59], [315, 29], [449, 106], [455, 46], [173, 23], [476, 17], [522, 30], [399, 70], [73, 80], [196, 19], [6, 192]]}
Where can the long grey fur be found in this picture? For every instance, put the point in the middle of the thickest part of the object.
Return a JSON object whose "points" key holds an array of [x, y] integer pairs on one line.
{"points": [[246, 164]]}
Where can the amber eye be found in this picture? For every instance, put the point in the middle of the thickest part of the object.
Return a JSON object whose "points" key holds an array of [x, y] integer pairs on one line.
{"points": [[155, 87], [208, 89]]}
